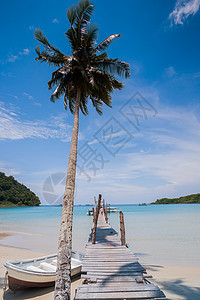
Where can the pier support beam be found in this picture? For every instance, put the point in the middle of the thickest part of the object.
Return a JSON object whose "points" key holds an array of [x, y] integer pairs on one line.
{"points": [[122, 228], [106, 215], [95, 219]]}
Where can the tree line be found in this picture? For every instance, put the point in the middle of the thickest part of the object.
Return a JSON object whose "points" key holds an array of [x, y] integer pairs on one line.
{"points": [[194, 198], [13, 193]]}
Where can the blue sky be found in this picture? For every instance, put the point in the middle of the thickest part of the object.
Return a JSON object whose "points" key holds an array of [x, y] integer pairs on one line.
{"points": [[147, 146]]}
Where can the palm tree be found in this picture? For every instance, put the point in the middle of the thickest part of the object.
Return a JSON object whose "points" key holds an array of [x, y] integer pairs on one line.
{"points": [[86, 74]]}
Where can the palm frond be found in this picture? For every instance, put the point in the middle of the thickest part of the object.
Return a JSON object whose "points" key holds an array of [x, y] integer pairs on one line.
{"points": [[85, 19], [104, 45], [91, 36], [72, 37], [84, 10], [59, 91], [65, 103], [97, 104], [51, 58], [42, 39], [55, 80], [116, 84], [37, 50], [71, 14], [83, 105], [50, 54], [114, 66], [72, 102]]}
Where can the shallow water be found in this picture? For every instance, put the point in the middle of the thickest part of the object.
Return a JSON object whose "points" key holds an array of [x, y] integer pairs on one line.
{"points": [[158, 234]]}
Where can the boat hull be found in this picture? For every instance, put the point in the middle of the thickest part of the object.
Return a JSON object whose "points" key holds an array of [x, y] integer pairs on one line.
{"points": [[18, 281], [15, 284]]}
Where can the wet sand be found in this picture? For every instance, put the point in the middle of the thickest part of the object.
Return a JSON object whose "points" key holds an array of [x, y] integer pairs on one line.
{"points": [[3, 235]]}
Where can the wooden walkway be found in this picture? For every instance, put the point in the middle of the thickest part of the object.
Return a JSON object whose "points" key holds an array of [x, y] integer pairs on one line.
{"points": [[111, 271]]}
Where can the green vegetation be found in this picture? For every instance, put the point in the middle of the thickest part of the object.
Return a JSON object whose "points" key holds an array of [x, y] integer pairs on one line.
{"points": [[13, 193], [194, 198]]}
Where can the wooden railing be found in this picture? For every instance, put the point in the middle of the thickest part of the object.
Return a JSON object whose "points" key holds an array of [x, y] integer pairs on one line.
{"points": [[96, 212]]}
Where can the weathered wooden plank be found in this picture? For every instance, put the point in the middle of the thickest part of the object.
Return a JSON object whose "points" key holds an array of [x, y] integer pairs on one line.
{"points": [[106, 248], [99, 289], [121, 295], [112, 263], [113, 285], [109, 251], [112, 266], [109, 258], [112, 270], [108, 279], [115, 265], [108, 265], [111, 274]]}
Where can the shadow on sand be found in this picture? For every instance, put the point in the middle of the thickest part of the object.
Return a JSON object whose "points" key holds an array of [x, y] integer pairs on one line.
{"points": [[177, 288], [27, 294], [32, 293], [180, 290]]}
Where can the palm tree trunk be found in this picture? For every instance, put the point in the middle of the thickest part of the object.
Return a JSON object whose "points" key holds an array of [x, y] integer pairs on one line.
{"points": [[63, 280]]}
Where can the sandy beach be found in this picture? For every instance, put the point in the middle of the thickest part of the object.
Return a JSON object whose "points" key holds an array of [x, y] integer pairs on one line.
{"points": [[177, 282]]}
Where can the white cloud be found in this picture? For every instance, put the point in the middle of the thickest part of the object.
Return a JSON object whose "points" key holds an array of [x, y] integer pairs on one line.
{"points": [[25, 52], [7, 169], [37, 104], [183, 9], [170, 72], [13, 128], [55, 21], [12, 58], [28, 96], [31, 27], [13, 96], [8, 75]]}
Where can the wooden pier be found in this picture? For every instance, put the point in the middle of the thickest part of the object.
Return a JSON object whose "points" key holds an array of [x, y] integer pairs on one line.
{"points": [[110, 270]]}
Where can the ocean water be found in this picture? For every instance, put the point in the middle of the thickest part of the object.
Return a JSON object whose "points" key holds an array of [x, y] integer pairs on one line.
{"points": [[157, 234]]}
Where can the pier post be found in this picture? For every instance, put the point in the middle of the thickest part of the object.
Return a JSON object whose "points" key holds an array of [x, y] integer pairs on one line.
{"points": [[122, 228], [95, 202], [99, 203], [106, 215], [96, 220], [93, 211], [104, 209]]}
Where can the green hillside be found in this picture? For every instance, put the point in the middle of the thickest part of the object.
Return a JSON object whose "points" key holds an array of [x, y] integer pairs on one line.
{"points": [[194, 198], [13, 193]]}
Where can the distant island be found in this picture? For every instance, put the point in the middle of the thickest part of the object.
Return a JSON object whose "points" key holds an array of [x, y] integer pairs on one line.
{"points": [[194, 198], [14, 194]]}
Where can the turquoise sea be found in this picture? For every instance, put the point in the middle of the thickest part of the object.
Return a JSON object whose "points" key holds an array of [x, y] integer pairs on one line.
{"points": [[156, 233]]}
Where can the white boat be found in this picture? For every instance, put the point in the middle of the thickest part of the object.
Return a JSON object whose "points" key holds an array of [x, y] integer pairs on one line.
{"points": [[38, 272], [89, 213], [112, 209]]}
